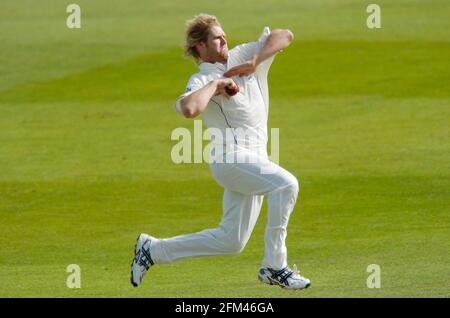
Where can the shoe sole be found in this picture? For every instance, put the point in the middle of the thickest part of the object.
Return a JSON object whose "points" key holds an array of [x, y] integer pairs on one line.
{"points": [[132, 262], [282, 286]]}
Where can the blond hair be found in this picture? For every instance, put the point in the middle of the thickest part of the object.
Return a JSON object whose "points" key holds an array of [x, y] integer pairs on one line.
{"points": [[197, 31]]}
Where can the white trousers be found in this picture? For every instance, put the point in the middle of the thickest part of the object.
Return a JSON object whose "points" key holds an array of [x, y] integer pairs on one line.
{"points": [[245, 185]]}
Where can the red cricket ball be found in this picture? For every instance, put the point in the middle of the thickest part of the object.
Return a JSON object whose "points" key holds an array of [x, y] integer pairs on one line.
{"points": [[232, 90]]}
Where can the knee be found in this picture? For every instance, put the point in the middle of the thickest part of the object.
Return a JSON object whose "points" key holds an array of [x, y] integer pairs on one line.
{"points": [[288, 189], [293, 185], [290, 192], [234, 246]]}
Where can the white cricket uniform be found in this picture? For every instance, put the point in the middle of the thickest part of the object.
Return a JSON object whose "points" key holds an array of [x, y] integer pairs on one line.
{"points": [[244, 184]]}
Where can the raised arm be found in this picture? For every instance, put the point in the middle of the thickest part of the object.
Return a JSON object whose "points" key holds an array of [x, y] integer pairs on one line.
{"points": [[194, 104], [277, 40]]}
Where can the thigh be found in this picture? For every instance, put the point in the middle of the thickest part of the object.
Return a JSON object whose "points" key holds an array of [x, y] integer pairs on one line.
{"points": [[240, 213], [238, 206], [256, 177]]}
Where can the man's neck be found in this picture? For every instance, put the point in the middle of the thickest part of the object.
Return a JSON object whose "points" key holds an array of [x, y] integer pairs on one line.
{"points": [[213, 61]]}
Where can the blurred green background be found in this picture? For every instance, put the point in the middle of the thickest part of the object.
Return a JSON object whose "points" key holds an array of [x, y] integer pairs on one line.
{"points": [[86, 116]]}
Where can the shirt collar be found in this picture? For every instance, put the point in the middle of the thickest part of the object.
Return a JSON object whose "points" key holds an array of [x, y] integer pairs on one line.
{"points": [[206, 66]]}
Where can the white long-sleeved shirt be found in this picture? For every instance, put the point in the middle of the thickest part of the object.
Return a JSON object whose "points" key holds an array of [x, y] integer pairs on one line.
{"points": [[245, 114]]}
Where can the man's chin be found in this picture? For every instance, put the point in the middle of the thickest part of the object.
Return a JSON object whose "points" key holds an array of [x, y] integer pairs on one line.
{"points": [[224, 58]]}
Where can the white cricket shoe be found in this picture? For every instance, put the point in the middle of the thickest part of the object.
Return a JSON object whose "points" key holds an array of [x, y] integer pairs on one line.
{"points": [[285, 278], [142, 260]]}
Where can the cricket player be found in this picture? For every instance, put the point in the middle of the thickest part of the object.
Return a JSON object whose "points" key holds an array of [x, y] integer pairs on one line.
{"points": [[231, 92]]}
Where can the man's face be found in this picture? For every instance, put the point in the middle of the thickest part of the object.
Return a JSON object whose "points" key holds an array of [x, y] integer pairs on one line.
{"points": [[215, 49]]}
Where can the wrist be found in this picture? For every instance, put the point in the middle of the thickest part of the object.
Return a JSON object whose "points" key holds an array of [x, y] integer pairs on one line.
{"points": [[215, 86]]}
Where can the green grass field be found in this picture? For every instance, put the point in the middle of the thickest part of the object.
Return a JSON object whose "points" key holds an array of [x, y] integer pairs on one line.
{"points": [[86, 116]]}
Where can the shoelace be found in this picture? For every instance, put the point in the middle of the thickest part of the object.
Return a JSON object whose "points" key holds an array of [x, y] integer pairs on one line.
{"points": [[144, 258], [282, 275]]}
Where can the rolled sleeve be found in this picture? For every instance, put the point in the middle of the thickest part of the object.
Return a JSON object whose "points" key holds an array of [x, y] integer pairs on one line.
{"points": [[246, 51]]}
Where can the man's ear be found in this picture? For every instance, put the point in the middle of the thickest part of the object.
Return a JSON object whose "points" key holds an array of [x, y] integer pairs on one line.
{"points": [[200, 47]]}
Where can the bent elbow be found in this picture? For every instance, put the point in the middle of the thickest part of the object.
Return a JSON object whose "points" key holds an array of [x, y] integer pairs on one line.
{"points": [[188, 113], [187, 110]]}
